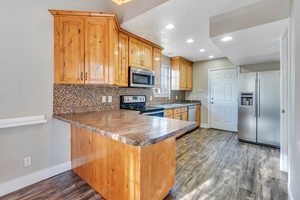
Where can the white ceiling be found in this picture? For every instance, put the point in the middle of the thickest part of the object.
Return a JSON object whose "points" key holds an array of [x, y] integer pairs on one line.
{"points": [[254, 45], [191, 20]]}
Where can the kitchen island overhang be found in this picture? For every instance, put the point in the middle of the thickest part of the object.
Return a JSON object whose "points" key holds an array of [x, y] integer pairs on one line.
{"points": [[124, 155]]}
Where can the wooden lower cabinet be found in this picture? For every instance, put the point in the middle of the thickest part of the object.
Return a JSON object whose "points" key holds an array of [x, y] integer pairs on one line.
{"points": [[120, 171], [198, 114]]}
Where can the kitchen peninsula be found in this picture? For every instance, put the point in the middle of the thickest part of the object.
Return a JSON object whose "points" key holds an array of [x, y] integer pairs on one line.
{"points": [[124, 155]]}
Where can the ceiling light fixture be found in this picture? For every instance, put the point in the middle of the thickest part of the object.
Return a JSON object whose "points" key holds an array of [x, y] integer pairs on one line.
{"points": [[202, 50], [226, 39], [211, 57], [120, 2], [190, 41], [170, 26]]}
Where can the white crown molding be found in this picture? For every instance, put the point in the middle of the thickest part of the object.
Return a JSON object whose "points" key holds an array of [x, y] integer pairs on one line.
{"points": [[24, 181], [22, 121]]}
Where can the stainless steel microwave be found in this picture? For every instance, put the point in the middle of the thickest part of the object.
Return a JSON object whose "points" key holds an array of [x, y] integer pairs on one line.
{"points": [[141, 78]]}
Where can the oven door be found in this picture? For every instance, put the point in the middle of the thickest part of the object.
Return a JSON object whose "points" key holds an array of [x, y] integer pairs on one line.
{"points": [[141, 78]]}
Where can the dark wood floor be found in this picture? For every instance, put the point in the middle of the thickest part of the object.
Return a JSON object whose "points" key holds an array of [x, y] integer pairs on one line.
{"points": [[211, 165]]}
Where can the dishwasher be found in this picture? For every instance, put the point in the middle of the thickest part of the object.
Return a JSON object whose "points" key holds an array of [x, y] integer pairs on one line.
{"points": [[192, 113]]}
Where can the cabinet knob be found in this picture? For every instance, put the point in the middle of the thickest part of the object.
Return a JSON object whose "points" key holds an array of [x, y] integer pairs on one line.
{"points": [[81, 76], [86, 76]]}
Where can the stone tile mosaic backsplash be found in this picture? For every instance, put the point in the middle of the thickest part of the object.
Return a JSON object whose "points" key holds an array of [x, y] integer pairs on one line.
{"points": [[86, 98]]}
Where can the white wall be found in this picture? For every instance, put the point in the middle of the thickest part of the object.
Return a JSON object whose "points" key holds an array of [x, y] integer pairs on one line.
{"points": [[26, 84], [200, 82], [294, 137]]}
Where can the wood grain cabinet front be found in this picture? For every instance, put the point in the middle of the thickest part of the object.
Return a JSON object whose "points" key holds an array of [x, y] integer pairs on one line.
{"points": [[157, 66], [182, 74], [69, 50], [123, 59], [140, 54], [91, 48]]}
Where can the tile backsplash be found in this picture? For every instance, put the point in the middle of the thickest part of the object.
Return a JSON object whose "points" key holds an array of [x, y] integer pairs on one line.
{"points": [[85, 98]]}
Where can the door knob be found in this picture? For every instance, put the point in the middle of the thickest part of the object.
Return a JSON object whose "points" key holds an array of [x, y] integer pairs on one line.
{"points": [[282, 111]]}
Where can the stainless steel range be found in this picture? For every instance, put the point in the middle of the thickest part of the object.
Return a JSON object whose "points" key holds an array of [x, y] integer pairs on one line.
{"points": [[138, 103]]}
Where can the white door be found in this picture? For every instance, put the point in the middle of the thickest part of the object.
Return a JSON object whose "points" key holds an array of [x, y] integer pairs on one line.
{"points": [[223, 106]]}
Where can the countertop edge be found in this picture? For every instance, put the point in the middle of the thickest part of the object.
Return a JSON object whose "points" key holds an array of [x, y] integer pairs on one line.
{"points": [[127, 140]]}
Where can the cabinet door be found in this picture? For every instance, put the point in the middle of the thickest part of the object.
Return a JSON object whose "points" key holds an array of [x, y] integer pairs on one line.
{"points": [[189, 76], [147, 57], [69, 50], [135, 52], [113, 63], [157, 66], [184, 116], [96, 50], [183, 73], [175, 76], [123, 59]]}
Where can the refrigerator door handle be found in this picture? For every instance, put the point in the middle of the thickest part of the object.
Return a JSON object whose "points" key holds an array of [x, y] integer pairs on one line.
{"points": [[258, 103]]}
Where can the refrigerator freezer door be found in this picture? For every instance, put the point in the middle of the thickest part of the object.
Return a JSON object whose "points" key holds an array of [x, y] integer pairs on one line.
{"points": [[247, 111], [268, 112]]}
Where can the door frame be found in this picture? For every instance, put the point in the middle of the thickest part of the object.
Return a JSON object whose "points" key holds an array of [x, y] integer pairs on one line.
{"points": [[210, 70], [285, 99]]}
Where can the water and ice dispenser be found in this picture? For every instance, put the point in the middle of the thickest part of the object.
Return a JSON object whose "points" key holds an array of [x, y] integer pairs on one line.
{"points": [[247, 99]]}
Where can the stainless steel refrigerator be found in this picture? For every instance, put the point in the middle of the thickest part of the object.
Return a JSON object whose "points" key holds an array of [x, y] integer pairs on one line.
{"points": [[259, 108]]}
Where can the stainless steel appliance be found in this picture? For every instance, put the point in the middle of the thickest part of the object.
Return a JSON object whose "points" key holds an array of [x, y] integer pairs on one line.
{"points": [[259, 108], [138, 103], [192, 113], [141, 78]]}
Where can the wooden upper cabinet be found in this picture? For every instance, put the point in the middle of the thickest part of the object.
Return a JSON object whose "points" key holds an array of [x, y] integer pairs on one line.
{"points": [[140, 54], [182, 74], [69, 50], [157, 66], [175, 75], [88, 50], [123, 59], [96, 50], [135, 52], [147, 56], [113, 66], [190, 76]]}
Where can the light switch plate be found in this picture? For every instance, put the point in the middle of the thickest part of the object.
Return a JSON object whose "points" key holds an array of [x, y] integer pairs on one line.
{"points": [[109, 99], [27, 161], [103, 99], [151, 98]]}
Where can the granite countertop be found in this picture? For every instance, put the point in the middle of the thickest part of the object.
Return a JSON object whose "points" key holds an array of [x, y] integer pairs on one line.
{"points": [[127, 126]]}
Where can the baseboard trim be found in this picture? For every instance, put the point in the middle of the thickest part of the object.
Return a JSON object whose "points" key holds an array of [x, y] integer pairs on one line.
{"points": [[204, 125], [24, 181]]}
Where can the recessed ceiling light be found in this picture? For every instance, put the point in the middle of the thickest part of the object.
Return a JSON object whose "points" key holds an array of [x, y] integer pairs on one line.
{"points": [[211, 57], [202, 50], [226, 39], [170, 26], [190, 41]]}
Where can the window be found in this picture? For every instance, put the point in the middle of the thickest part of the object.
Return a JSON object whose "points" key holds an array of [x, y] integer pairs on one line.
{"points": [[165, 82]]}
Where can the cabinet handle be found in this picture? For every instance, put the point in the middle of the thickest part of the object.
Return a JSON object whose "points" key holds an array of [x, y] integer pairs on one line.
{"points": [[81, 76], [86, 76]]}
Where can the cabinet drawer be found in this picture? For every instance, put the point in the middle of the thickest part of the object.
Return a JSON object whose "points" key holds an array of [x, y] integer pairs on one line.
{"points": [[169, 112], [184, 109], [177, 110], [177, 116]]}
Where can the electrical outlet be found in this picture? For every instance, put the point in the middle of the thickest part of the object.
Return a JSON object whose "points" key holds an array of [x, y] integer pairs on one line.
{"points": [[103, 99], [151, 98], [27, 161], [109, 99], [176, 97]]}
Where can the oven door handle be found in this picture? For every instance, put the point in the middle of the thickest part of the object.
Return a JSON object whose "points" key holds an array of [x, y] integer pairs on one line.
{"points": [[152, 113]]}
